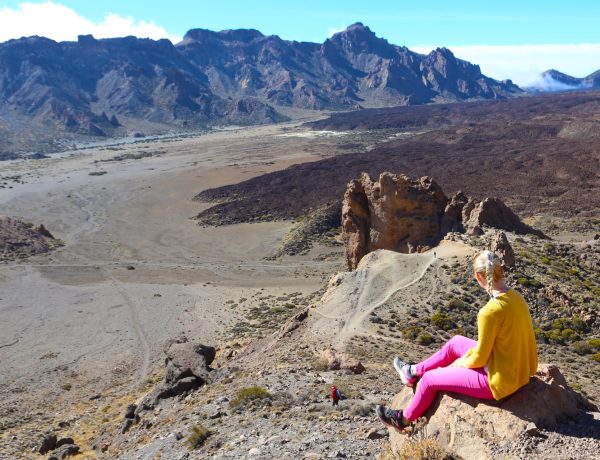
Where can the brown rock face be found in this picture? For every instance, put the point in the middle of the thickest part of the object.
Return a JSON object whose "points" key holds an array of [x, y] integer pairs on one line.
{"points": [[469, 426], [502, 248], [341, 361], [394, 213], [19, 240], [404, 215], [492, 212]]}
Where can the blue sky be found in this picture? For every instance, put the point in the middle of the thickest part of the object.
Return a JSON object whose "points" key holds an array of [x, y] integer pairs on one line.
{"points": [[508, 22], [509, 39]]}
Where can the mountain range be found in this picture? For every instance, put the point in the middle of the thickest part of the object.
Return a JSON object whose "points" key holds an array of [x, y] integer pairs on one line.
{"points": [[553, 80], [115, 86]]}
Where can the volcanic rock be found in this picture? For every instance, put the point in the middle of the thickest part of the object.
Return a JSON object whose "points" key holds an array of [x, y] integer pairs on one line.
{"points": [[394, 213], [187, 359], [187, 368], [502, 248], [48, 443], [492, 212], [19, 239], [404, 215], [64, 451], [469, 426], [341, 361]]}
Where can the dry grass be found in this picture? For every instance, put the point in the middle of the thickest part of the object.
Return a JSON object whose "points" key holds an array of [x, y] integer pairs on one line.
{"points": [[421, 449]]}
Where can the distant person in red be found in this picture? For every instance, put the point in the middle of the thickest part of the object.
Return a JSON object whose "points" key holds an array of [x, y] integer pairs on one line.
{"points": [[335, 395]]}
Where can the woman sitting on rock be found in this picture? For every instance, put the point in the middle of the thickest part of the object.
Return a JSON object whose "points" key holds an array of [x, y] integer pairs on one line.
{"points": [[495, 366]]}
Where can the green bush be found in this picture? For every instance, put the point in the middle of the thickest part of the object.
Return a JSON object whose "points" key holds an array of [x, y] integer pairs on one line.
{"points": [[411, 332], [456, 304], [581, 347], [197, 436], [596, 357], [442, 321], [245, 395], [594, 343], [425, 338]]}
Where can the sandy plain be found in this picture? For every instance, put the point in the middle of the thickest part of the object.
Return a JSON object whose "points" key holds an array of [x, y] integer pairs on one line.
{"points": [[135, 270]]}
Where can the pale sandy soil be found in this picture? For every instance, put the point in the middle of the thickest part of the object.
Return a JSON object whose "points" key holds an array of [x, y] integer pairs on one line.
{"points": [[381, 278], [81, 321]]}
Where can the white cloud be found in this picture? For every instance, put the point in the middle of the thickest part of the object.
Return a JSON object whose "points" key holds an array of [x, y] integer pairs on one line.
{"points": [[523, 64], [61, 23], [334, 30]]}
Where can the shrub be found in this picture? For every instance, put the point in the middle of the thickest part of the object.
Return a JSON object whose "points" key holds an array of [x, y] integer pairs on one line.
{"points": [[245, 395], [596, 357], [424, 338], [581, 347], [456, 304], [442, 321], [197, 436], [419, 449], [411, 332], [594, 343]]}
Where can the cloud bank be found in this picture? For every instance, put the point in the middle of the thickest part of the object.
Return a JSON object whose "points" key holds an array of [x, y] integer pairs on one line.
{"points": [[61, 23], [523, 64]]}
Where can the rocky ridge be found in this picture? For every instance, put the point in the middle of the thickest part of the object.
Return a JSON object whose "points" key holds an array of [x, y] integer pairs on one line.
{"points": [[113, 87]]}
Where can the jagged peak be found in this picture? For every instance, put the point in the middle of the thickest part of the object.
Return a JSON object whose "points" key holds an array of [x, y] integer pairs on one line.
{"points": [[358, 29], [446, 52], [239, 35], [554, 72]]}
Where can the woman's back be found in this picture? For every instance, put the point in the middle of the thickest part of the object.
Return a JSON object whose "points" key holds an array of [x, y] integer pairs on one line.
{"points": [[514, 353]]}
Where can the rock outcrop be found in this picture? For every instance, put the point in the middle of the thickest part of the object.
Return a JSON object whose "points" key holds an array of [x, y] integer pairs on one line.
{"points": [[471, 427], [501, 247], [405, 215], [341, 361], [187, 368], [19, 239], [394, 213], [492, 212]]}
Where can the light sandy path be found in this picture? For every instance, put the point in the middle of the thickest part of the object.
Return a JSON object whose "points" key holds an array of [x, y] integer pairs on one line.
{"points": [[345, 308]]}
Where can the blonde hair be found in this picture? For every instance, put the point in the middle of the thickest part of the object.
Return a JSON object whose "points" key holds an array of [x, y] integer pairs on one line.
{"points": [[489, 264]]}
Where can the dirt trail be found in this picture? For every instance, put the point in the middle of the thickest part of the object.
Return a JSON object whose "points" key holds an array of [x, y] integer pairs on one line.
{"points": [[347, 305], [132, 306]]}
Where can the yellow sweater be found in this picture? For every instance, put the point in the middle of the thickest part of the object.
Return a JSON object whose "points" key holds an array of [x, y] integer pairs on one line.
{"points": [[506, 344]]}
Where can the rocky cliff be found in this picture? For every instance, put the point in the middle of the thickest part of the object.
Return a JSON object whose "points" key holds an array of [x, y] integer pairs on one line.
{"points": [[404, 215]]}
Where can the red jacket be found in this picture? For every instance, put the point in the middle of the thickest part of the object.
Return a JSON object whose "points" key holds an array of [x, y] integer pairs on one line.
{"points": [[334, 393]]}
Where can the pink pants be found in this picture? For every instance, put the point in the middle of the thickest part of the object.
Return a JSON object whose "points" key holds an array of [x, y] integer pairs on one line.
{"points": [[435, 376]]}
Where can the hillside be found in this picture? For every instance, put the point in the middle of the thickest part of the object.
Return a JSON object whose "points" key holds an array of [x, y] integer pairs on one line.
{"points": [[52, 94]]}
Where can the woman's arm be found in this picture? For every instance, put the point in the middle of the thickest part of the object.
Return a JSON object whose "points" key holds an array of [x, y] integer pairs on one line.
{"points": [[488, 324]]}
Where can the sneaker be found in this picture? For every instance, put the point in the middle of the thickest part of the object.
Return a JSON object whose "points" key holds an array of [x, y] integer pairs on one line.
{"points": [[390, 417], [404, 370]]}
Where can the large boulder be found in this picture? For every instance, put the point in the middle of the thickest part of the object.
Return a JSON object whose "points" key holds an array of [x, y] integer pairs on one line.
{"points": [[471, 427], [187, 359], [187, 368], [395, 213]]}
